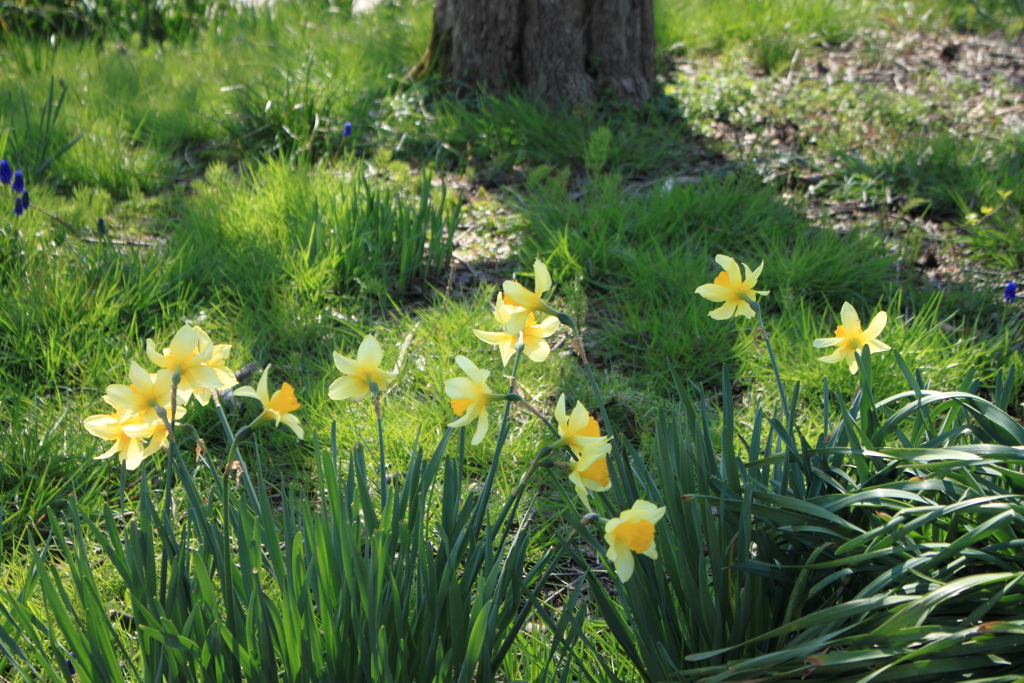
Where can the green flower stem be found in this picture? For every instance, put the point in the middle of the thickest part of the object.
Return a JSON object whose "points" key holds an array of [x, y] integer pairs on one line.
{"points": [[175, 381], [375, 391], [526, 404], [520, 488], [502, 435], [771, 356], [236, 439], [225, 425]]}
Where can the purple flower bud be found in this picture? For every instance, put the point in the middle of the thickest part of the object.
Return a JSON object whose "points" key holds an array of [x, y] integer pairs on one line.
{"points": [[347, 130], [101, 227], [1011, 291], [5, 172], [19, 182], [18, 208], [24, 199], [70, 667]]}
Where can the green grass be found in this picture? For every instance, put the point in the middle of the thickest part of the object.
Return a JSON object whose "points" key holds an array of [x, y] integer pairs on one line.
{"points": [[233, 201]]}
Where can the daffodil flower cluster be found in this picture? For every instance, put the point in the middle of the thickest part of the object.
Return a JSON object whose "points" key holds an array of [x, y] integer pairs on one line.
{"points": [[516, 310], [144, 409], [192, 366], [737, 294]]}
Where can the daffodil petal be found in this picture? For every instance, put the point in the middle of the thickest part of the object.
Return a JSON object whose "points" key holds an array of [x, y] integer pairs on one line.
{"points": [[724, 312], [827, 342], [835, 356], [501, 311], [155, 356], [579, 418], [649, 511], [541, 277], [481, 427], [521, 295], [877, 325], [109, 452], [474, 373], [203, 377], [246, 392], [516, 322], [537, 351], [549, 326], [184, 343], [345, 365], [121, 396], [581, 490], [292, 422], [753, 277], [346, 387], [133, 455], [877, 346], [261, 388], [715, 293], [852, 361], [467, 417], [139, 377], [370, 352], [730, 266], [461, 387], [560, 416], [624, 565], [494, 338], [507, 349], [744, 309], [851, 321]]}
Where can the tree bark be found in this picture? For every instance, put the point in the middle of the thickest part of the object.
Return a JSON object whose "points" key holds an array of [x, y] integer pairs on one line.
{"points": [[558, 50]]}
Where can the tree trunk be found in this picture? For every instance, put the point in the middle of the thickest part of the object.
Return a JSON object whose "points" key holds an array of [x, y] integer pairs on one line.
{"points": [[559, 50]]}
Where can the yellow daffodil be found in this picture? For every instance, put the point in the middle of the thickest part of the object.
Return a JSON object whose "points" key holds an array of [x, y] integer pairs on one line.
{"points": [[850, 338], [217, 363], [632, 532], [729, 288], [186, 356], [534, 346], [358, 373], [145, 393], [526, 301], [278, 407], [127, 434], [469, 397], [590, 472], [579, 431]]}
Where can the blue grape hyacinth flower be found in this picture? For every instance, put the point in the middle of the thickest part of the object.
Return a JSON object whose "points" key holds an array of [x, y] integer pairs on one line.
{"points": [[18, 208], [18, 184], [5, 172], [24, 199], [101, 227], [347, 130], [1010, 293]]}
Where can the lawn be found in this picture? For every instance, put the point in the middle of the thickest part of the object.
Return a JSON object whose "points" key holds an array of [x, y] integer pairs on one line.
{"points": [[269, 175]]}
